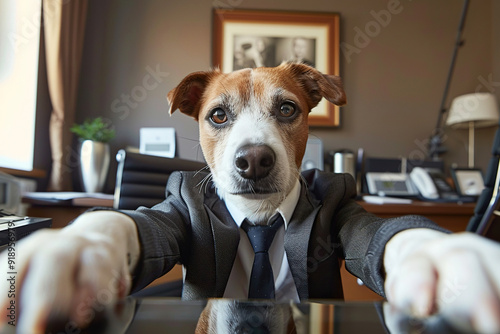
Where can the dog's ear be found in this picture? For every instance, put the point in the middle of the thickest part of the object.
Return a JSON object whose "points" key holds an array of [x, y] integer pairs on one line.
{"points": [[187, 95], [318, 85]]}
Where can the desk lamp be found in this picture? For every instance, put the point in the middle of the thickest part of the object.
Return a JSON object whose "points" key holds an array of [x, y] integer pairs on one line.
{"points": [[472, 111]]}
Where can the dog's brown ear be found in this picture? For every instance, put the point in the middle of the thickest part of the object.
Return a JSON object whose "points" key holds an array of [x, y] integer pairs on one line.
{"points": [[318, 85], [187, 95]]}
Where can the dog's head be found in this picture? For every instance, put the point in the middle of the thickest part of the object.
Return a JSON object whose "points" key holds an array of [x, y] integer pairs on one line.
{"points": [[253, 128], [232, 316]]}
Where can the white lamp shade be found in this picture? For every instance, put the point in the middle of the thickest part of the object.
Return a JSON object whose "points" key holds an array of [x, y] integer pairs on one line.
{"points": [[480, 108]]}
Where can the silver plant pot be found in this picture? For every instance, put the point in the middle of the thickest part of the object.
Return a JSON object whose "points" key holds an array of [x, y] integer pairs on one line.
{"points": [[94, 165]]}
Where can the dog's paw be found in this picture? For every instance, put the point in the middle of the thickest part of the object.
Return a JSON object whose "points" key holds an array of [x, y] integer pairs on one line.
{"points": [[456, 276]]}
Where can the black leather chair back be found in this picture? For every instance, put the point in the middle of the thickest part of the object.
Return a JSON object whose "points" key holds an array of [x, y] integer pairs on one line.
{"points": [[486, 219], [141, 178]]}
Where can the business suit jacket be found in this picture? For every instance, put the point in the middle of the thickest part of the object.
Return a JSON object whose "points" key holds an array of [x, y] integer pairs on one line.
{"points": [[193, 227]]}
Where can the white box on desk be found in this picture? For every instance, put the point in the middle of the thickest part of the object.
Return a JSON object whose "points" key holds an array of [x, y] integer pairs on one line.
{"points": [[157, 141]]}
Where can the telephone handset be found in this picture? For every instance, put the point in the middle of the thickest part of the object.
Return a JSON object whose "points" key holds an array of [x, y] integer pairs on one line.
{"points": [[431, 184]]}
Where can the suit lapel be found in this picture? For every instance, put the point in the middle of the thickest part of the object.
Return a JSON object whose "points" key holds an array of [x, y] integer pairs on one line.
{"points": [[297, 240], [226, 238]]}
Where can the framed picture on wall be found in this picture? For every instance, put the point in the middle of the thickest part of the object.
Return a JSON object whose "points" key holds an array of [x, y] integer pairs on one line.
{"points": [[248, 38]]}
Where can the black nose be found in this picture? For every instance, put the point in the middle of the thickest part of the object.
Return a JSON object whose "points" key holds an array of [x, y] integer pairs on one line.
{"points": [[254, 161]]}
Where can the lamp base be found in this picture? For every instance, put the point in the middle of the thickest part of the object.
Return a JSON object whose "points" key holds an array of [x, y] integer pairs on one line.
{"points": [[471, 144]]}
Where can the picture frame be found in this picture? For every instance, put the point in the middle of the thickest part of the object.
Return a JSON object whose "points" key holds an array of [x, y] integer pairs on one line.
{"points": [[468, 181], [252, 38]]}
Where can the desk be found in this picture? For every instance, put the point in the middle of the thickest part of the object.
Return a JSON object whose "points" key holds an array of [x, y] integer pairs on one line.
{"points": [[161, 315], [64, 211], [451, 216]]}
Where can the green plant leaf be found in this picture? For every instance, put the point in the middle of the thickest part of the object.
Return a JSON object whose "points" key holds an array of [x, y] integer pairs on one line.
{"points": [[94, 129]]}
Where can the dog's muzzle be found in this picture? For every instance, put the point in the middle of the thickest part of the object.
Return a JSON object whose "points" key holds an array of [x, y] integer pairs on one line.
{"points": [[254, 162]]}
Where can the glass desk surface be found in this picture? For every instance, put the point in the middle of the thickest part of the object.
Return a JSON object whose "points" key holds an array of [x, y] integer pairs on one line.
{"points": [[171, 315]]}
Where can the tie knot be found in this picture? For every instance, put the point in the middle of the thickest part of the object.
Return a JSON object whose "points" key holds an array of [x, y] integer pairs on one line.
{"points": [[261, 236]]}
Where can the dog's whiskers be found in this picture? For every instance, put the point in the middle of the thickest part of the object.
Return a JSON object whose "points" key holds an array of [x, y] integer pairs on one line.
{"points": [[201, 170], [208, 179], [203, 184], [197, 146], [304, 183]]}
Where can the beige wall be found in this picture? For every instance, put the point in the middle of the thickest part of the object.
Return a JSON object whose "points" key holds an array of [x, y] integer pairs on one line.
{"points": [[394, 85], [495, 43]]}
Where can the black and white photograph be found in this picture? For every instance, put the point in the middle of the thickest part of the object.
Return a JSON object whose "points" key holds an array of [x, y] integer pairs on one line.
{"points": [[257, 51]]}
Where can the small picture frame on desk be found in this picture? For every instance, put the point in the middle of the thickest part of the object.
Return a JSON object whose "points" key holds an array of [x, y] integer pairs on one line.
{"points": [[468, 181]]}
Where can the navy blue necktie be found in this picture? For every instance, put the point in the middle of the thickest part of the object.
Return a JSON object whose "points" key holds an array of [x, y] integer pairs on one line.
{"points": [[261, 238]]}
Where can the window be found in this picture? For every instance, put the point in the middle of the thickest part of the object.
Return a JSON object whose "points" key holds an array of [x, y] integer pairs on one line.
{"points": [[19, 45]]}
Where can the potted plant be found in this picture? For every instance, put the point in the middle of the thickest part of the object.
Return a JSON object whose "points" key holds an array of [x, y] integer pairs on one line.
{"points": [[94, 135]]}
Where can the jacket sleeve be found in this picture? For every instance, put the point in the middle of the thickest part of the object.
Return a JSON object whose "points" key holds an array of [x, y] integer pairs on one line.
{"points": [[164, 234], [363, 236]]}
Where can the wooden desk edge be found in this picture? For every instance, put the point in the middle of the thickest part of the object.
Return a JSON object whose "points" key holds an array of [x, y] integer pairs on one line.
{"points": [[421, 208]]}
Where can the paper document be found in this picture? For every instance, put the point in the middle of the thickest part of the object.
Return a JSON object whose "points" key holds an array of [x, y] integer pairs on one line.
{"points": [[65, 195], [386, 200]]}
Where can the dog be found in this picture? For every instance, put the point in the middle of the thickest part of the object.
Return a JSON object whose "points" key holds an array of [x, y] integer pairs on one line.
{"points": [[253, 132], [253, 128]]}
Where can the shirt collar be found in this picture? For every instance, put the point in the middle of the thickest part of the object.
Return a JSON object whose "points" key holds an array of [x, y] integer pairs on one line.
{"points": [[286, 207]]}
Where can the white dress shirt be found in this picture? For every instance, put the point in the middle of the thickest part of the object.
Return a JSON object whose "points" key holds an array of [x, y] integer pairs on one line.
{"points": [[285, 289]]}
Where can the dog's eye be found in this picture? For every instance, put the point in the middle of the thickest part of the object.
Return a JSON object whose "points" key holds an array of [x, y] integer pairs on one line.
{"points": [[218, 116], [287, 109]]}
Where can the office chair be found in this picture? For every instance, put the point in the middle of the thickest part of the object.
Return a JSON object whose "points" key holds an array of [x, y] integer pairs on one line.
{"points": [[140, 181], [486, 218], [141, 178]]}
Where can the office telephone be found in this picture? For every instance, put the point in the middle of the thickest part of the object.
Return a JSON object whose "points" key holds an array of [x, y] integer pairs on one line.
{"points": [[390, 184], [432, 184], [428, 183]]}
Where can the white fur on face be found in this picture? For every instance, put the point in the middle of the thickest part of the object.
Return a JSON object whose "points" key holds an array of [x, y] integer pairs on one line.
{"points": [[252, 127], [253, 124]]}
